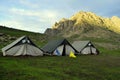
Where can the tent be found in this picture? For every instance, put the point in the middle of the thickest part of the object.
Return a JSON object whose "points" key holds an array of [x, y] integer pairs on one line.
{"points": [[22, 46], [58, 47], [85, 47]]}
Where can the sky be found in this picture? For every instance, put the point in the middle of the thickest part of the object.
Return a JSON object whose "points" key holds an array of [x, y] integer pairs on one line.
{"points": [[38, 15]]}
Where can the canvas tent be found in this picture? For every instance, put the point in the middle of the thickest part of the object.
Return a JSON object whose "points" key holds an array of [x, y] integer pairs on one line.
{"points": [[85, 47], [58, 47], [22, 46]]}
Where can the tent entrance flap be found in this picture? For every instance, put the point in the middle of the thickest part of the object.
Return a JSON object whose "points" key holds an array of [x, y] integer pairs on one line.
{"points": [[64, 51]]}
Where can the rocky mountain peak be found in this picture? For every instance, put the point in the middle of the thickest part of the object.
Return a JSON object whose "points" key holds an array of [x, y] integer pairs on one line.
{"points": [[115, 18], [81, 15], [83, 22]]}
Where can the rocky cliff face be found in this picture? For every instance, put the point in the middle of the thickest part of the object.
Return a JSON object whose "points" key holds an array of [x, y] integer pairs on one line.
{"points": [[51, 32], [85, 23]]}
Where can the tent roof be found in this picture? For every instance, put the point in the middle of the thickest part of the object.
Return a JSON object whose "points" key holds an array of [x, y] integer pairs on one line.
{"points": [[79, 45], [13, 43], [52, 45], [17, 42]]}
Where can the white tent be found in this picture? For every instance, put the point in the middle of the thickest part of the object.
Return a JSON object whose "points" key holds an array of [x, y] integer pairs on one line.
{"points": [[22, 46], [85, 47]]}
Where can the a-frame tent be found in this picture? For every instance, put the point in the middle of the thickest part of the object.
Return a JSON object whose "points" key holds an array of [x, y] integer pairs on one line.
{"points": [[22, 46], [85, 47], [58, 47]]}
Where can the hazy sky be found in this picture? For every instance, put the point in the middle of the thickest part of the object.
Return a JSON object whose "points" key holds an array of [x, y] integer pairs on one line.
{"points": [[37, 15]]}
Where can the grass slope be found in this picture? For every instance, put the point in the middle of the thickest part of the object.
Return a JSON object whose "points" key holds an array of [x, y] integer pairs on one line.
{"points": [[89, 67]]}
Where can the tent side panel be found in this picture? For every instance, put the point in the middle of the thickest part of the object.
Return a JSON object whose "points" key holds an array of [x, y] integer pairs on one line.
{"points": [[86, 50], [60, 49], [69, 49], [94, 50], [17, 50], [33, 51], [24, 49]]}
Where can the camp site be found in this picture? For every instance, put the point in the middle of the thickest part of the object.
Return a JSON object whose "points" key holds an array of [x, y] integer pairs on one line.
{"points": [[59, 39], [29, 57]]}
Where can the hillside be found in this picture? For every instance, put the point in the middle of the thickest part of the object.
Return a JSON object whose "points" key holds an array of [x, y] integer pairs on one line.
{"points": [[8, 35]]}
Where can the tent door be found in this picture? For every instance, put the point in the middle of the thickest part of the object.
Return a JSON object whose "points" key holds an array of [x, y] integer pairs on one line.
{"points": [[64, 51]]}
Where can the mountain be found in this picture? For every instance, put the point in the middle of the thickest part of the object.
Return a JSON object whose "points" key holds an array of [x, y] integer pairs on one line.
{"points": [[104, 32], [86, 24]]}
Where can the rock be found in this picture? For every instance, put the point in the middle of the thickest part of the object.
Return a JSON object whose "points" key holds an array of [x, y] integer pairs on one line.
{"points": [[2, 34], [12, 38], [51, 32]]}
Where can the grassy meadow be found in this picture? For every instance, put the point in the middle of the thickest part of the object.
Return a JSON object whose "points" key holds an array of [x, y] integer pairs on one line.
{"points": [[105, 66], [90, 67]]}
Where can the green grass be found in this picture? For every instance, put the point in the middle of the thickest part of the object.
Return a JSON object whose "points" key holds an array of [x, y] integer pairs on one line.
{"points": [[90, 67], [13, 32]]}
